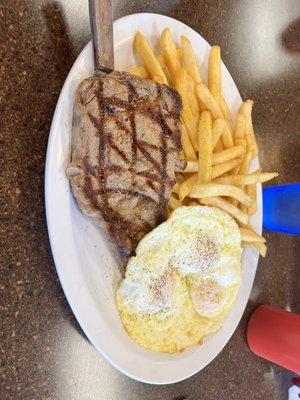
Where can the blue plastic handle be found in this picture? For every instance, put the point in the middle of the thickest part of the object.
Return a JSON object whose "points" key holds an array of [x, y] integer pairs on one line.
{"points": [[281, 205]]}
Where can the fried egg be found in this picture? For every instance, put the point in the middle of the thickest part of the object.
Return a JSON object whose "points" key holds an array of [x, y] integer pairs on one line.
{"points": [[183, 280]]}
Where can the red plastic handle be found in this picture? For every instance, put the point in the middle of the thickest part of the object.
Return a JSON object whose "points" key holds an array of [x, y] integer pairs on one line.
{"points": [[274, 334]]}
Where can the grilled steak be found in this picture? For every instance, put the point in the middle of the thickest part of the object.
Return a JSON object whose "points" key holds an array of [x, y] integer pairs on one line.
{"points": [[125, 145]]}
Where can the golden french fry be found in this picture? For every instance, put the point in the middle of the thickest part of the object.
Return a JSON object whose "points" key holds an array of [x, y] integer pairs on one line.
{"points": [[218, 126], [193, 203], [248, 235], [174, 203], [250, 140], [191, 167], [180, 177], [227, 154], [227, 136], [217, 170], [187, 116], [160, 59], [176, 188], [208, 100], [187, 146], [245, 245], [194, 106], [251, 190], [243, 208], [139, 70], [249, 143], [158, 79], [229, 146], [205, 148], [190, 60], [219, 146], [246, 110], [245, 164], [243, 170], [162, 63], [179, 52], [225, 109], [186, 186], [214, 73], [169, 52], [221, 169], [226, 206], [235, 171], [144, 50], [240, 127], [251, 179], [241, 142], [217, 189], [261, 247]]}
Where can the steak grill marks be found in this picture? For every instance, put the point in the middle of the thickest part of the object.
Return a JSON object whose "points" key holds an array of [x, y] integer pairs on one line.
{"points": [[118, 226]]}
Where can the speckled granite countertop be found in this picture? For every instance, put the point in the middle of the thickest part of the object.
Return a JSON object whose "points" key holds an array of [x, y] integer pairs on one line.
{"points": [[45, 354]]}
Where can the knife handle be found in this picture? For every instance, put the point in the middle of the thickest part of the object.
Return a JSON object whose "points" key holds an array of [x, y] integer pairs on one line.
{"points": [[101, 20]]}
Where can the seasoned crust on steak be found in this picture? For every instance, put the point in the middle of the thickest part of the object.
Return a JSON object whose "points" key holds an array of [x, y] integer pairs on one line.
{"points": [[125, 146]]}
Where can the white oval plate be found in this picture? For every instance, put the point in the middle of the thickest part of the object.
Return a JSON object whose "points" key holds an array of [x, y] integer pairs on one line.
{"points": [[85, 265]]}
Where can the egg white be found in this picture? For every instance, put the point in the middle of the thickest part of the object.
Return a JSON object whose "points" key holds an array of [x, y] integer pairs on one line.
{"points": [[183, 280]]}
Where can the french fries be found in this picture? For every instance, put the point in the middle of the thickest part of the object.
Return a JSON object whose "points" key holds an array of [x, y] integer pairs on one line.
{"points": [[139, 70], [261, 247], [187, 147], [251, 179], [244, 168], [185, 187], [194, 106], [217, 189], [219, 145], [158, 78], [217, 131], [176, 187], [227, 154], [217, 170], [187, 116], [214, 73], [251, 192], [191, 166], [205, 144], [248, 235], [169, 52], [225, 109], [143, 48], [245, 163], [226, 206], [246, 110], [174, 203], [227, 136], [190, 60], [208, 100], [240, 128], [225, 167], [218, 149], [161, 60]]}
